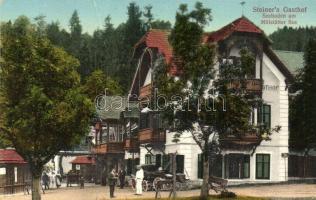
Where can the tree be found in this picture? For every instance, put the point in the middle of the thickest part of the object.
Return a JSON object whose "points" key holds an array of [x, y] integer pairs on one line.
{"points": [[43, 110], [97, 82], [283, 38], [75, 26], [58, 37], [200, 102], [302, 108], [130, 33], [161, 24]]}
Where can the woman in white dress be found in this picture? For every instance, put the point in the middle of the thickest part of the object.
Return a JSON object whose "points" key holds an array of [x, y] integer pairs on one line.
{"points": [[139, 180]]}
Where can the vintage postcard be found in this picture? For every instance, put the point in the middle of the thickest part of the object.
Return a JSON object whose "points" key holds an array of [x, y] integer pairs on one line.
{"points": [[157, 99]]}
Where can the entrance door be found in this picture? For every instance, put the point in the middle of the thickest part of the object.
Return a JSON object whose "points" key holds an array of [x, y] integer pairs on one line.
{"points": [[237, 166]]}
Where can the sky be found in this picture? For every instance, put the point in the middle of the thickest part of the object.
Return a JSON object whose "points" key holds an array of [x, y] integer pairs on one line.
{"points": [[93, 12]]}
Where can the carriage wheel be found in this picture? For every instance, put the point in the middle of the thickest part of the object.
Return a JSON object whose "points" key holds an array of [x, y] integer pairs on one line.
{"points": [[155, 183], [133, 184], [145, 186], [179, 186]]}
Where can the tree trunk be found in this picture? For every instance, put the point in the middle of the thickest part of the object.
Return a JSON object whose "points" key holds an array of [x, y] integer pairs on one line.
{"points": [[205, 186], [36, 189]]}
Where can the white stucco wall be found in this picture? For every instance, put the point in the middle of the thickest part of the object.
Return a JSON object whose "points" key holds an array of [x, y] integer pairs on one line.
{"points": [[275, 94], [187, 147]]}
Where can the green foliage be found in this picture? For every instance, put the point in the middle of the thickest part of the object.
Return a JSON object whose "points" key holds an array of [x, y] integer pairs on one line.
{"points": [[302, 105], [42, 107], [292, 39], [108, 49], [98, 82]]}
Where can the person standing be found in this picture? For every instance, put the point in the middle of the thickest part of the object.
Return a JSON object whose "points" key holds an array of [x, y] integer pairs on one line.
{"points": [[45, 179], [139, 180], [112, 178], [122, 174]]}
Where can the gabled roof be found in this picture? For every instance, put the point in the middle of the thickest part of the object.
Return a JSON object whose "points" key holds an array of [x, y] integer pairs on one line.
{"points": [[156, 38], [292, 59], [159, 39], [83, 160], [241, 24], [10, 156]]}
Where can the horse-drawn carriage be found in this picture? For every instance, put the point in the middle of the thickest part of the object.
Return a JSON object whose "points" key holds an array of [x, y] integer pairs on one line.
{"points": [[73, 177], [156, 178]]}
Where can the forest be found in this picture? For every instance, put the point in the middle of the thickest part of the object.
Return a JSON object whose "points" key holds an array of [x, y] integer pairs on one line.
{"points": [[110, 48]]}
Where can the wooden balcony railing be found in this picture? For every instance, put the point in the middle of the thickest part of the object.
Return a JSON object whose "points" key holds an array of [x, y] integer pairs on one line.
{"points": [[131, 144], [151, 136], [251, 85], [236, 141], [145, 91], [111, 147]]}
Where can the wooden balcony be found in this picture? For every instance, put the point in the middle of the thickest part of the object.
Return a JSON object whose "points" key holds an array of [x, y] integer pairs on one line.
{"points": [[246, 140], [111, 147], [150, 136], [131, 144], [145, 91], [251, 85]]}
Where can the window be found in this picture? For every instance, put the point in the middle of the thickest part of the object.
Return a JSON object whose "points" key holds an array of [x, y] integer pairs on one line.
{"points": [[262, 166], [264, 115], [166, 162], [158, 160], [215, 166], [148, 159], [237, 166], [180, 163], [144, 120]]}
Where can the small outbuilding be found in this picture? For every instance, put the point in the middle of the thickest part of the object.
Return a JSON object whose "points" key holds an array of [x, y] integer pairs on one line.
{"points": [[14, 172], [86, 167]]}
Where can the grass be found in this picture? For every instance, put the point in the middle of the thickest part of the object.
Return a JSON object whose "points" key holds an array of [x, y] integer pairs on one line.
{"points": [[210, 198]]}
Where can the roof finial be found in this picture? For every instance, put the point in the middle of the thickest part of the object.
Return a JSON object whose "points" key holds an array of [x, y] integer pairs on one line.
{"points": [[242, 7]]}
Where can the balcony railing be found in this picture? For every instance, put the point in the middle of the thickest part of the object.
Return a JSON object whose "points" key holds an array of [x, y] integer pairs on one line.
{"points": [[251, 85], [111, 147], [151, 136], [236, 141], [145, 91]]}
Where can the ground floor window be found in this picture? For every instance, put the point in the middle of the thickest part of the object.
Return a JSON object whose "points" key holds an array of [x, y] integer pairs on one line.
{"points": [[262, 166], [180, 163], [166, 163], [215, 166], [148, 159], [237, 166], [131, 165]]}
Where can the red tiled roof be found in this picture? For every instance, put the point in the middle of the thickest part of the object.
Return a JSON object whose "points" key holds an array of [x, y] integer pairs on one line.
{"points": [[241, 24], [83, 160], [156, 38], [10, 156]]}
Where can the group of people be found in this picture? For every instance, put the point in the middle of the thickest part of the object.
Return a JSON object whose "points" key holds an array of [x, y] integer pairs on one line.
{"points": [[51, 181], [114, 176]]}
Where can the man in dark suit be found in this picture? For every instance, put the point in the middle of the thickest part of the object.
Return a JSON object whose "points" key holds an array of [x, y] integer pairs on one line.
{"points": [[122, 174], [112, 179]]}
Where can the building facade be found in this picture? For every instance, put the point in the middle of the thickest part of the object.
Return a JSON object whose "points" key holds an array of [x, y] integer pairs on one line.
{"points": [[245, 159]]}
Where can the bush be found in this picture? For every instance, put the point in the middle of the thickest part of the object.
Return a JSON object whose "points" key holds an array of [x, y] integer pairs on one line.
{"points": [[227, 195]]}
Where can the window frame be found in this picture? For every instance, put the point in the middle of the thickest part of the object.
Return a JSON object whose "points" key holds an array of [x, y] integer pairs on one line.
{"points": [[263, 116], [262, 163]]}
